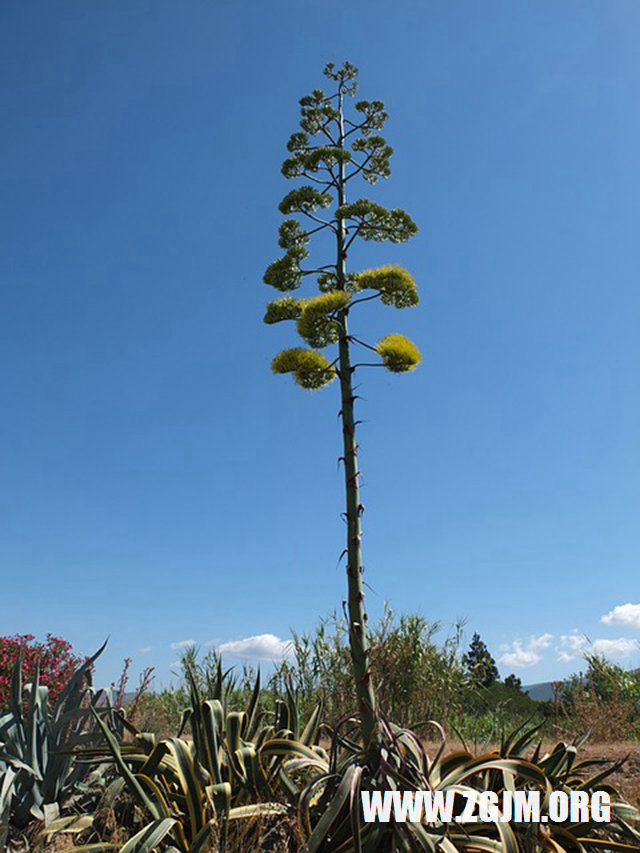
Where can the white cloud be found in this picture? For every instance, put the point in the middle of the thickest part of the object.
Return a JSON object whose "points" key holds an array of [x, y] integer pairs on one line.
{"points": [[571, 646], [265, 647], [182, 644], [520, 656], [145, 650], [615, 649], [623, 614], [575, 645]]}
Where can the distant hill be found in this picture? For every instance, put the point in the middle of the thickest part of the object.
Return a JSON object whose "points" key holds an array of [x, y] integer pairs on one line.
{"points": [[541, 692]]}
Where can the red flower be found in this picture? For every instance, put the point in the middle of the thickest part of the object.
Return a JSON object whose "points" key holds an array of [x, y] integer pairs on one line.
{"points": [[55, 657]]}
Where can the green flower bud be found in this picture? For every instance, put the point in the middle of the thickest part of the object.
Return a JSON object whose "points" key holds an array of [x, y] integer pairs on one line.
{"points": [[324, 156], [347, 72], [292, 235], [298, 142], [316, 114], [378, 223], [284, 274], [378, 153], [374, 114], [304, 199], [329, 281]]}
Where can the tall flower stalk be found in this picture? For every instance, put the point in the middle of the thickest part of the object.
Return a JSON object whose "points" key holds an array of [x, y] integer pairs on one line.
{"points": [[330, 151]]}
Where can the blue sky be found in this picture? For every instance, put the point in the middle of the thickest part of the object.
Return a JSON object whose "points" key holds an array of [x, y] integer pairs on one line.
{"points": [[158, 485]]}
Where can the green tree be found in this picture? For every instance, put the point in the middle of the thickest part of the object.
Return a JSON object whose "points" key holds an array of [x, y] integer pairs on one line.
{"points": [[513, 682], [332, 149], [480, 666]]}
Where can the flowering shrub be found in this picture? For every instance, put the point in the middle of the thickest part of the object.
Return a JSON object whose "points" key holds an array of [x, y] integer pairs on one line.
{"points": [[55, 656]]}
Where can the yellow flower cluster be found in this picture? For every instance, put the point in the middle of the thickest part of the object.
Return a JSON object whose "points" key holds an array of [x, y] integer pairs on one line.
{"points": [[316, 325], [310, 369], [395, 284], [285, 308], [398, 353]]}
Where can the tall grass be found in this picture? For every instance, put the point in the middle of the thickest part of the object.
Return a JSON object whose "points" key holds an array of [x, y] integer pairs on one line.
{"points": [[604, 700], [419, 676], [416, 679]]}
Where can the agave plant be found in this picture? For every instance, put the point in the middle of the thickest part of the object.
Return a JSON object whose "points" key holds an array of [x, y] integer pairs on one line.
{"points": [[39, 767], [331, 815], [235, 781], [6, 795]]}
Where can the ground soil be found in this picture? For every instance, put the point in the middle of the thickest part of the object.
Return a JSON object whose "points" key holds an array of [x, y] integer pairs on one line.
{"points": [[627, 779]]}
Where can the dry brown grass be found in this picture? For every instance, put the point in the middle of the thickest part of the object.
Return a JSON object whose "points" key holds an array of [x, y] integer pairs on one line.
{"points": [[612, 720]]}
